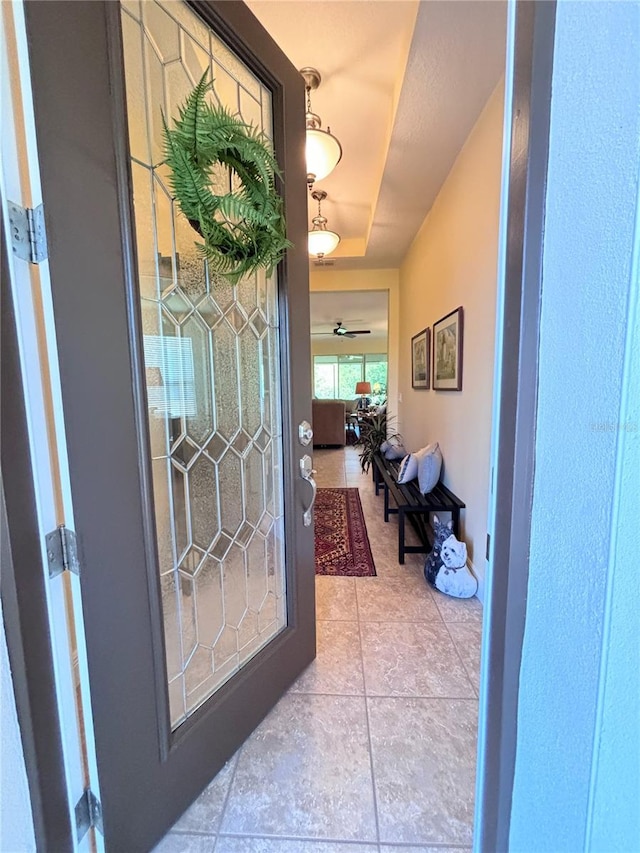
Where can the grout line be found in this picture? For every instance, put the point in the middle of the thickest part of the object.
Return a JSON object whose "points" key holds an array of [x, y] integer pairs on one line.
{"points": [[436, 845], [199, 832], [464, 667], [385, 695], [312, 838], [228, 794], [366, 711], [383, 845]]}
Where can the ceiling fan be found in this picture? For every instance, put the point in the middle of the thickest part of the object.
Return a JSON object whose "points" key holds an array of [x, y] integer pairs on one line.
{"points": [[341, 332]]}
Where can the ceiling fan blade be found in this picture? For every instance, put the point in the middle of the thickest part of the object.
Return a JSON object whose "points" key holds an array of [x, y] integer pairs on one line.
{"points": [[349, 335], [359, 331]]}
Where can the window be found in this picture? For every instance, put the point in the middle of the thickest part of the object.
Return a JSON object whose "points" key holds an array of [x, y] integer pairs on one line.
{"points": [[336, 376]]}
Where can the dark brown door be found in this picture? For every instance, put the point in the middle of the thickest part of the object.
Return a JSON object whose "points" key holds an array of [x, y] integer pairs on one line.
{"points": [[182, 398]]}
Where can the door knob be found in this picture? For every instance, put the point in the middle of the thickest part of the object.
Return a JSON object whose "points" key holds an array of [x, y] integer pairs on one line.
{"points": [[305, 433]]}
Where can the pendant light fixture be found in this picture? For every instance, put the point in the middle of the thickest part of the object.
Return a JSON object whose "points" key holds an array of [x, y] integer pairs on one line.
{"points": [[323, 149], [321, 241]]}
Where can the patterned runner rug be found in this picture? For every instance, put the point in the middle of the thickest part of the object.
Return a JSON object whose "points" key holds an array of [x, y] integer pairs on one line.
{"points": [[341, 541]]}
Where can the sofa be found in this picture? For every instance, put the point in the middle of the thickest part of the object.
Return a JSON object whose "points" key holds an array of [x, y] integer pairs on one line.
{"points": [[329, 418]]}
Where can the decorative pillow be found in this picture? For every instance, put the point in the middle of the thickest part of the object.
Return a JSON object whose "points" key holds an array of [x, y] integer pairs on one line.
{"points": [[395, 451], [393, 448], [429, 467], [408, 469]]}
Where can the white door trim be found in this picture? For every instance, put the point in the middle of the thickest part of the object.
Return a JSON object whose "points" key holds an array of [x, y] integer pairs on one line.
{"points": [[31, 293]]}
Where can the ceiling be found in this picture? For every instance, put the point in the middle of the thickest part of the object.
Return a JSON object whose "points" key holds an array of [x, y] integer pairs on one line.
{"points": [[403, 84], [355, 309]]}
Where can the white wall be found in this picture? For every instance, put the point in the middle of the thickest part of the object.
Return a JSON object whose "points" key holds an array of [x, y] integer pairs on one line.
{"points": [[576, 773], [16, 824], [452, 262]]}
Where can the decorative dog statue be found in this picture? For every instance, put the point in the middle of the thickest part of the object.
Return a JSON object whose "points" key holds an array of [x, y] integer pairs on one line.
{"points": [[454, 577], [446, 566]]}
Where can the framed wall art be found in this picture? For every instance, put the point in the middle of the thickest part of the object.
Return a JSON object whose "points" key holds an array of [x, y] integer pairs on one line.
{"points": [[447, 352], [420, 356]]}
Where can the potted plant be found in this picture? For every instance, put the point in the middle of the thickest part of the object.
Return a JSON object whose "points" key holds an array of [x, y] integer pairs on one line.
{"points": [[373, 433]]}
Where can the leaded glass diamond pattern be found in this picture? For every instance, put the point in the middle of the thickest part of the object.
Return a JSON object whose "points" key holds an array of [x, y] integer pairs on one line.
{"points": [[212, 368]]}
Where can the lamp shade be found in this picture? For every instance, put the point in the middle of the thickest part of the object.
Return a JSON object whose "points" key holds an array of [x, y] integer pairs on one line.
{"points": [[322, 242], [363, 388], [323, 153]]}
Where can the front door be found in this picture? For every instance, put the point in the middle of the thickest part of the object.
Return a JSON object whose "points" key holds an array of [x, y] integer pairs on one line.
{"points": [[182, 394]]}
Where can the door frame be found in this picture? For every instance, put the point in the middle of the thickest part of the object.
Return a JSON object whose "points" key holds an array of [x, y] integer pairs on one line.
{"points": [[528, 104], [24, 598], [512, 475]]}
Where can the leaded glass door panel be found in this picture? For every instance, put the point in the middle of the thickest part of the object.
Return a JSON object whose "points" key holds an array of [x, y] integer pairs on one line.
{"points": [[182, 395], [212, 369]]}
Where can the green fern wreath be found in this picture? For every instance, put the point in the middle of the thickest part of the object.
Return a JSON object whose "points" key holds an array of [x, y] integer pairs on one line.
{"points": [[243, 230]]}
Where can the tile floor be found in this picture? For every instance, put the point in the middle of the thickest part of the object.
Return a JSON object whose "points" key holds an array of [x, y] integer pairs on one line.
{"points": [[373, 748]]}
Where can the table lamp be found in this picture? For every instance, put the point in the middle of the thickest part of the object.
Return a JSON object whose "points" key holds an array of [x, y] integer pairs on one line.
{"points": [[363, 388]]}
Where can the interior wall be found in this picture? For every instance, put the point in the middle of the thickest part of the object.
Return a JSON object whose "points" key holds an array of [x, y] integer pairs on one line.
{"points": [[576, 779], [335, 280], [453, 262]]}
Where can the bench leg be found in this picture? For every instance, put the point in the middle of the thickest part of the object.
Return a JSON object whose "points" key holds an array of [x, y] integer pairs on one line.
{"points": [[401, 537], [386, 503], [455, 517]]}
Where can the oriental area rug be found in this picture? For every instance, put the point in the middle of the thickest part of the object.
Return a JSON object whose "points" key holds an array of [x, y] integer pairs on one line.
{"points": [[341, 541]]}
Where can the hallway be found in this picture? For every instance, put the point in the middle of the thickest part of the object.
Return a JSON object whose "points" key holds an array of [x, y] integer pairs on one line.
{"points": [[373, 749]]}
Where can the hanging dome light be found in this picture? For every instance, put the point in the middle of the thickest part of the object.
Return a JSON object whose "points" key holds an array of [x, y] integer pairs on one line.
{"points": [[321, 241], [323, 150]]}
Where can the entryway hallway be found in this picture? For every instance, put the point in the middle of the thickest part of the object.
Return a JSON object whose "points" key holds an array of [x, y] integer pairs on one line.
{"points": [[373, 749]]}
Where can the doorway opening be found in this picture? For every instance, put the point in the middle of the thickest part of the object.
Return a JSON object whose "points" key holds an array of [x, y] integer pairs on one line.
{"points": [[236, 816]]}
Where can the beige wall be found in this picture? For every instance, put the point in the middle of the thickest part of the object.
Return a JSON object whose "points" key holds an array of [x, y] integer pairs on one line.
{"points": [[452, 262], [335, 280]]}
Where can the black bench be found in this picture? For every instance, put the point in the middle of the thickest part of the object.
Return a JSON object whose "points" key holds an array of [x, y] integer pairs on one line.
{"points": [[409, 501]]}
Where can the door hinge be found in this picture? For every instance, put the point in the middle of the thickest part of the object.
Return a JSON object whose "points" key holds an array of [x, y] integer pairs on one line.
{"points": [[62, 551], [28, 234], [88, 813], [488, 551]]}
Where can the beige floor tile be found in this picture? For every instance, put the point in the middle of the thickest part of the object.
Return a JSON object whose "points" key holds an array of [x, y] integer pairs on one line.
{"points": [[331, 481], [176, 842], [468, 638], [306, 772], [205, 814], [424, 753], [458, 609], [412, 659], [288, 845], [336, 599], [401, 600], [337, 668]]}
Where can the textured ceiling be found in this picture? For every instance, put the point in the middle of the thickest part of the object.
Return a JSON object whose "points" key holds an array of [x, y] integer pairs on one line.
{"points": [[403, 84]]}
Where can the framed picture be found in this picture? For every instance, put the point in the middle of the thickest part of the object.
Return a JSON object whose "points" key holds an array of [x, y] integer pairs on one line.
{"points": [[420, 367], [447, 352]]}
